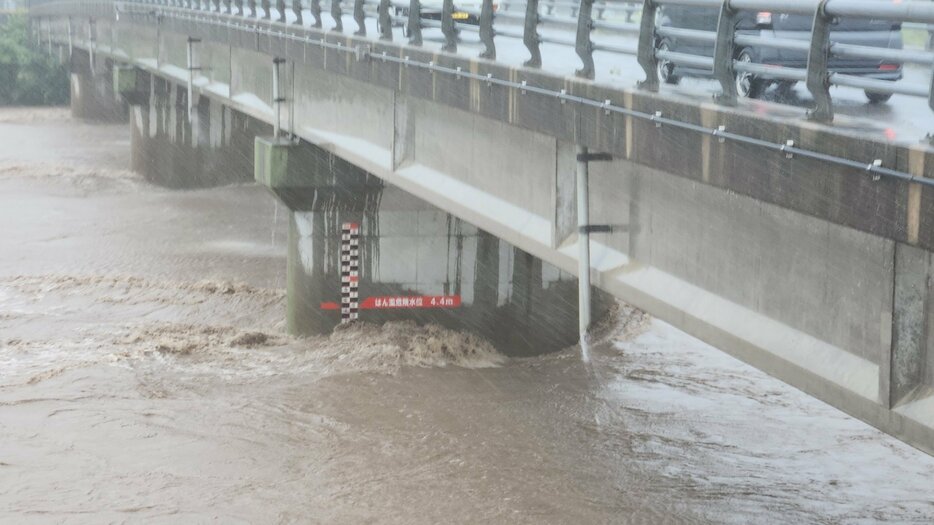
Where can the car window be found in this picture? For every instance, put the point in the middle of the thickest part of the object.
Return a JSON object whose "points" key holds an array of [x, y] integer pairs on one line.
{"points": [[785, 22]]}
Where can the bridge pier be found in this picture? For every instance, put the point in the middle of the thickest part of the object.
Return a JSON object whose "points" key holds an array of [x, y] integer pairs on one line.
{"points": [[411, 260], [168, 149], [92, 89]]}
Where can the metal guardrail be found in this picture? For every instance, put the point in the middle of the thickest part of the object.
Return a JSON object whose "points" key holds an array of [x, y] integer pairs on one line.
{"points": [[820, 49], [789, 149], [492, 19]]}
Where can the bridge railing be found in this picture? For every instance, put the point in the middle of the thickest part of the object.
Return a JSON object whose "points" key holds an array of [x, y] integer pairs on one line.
{"points": [[555, 21], [728, 63]]}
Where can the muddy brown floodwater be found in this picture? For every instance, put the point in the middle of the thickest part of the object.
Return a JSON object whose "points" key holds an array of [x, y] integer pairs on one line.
{"points": [[145, 376]]}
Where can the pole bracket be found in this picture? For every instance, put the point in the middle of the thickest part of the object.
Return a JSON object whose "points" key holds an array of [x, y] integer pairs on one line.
{"points": [[590, 157], [595, 228]]}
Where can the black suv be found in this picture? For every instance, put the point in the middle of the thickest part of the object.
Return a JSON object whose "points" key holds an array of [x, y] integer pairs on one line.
{"points": [[864, 32]]}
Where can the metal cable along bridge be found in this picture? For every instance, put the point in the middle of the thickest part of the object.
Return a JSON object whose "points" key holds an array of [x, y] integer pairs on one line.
{"points": [[551, 21], [846, 218]]}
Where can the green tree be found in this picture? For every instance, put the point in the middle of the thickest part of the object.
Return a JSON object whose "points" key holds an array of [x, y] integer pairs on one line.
{"points": [[27, 75]]}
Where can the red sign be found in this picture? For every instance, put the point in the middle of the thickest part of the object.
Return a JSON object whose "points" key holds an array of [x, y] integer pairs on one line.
{"points": [[404, 301]]}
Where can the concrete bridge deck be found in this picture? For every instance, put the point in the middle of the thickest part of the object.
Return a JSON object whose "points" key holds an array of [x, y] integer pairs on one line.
{"points": [[800, 262]]}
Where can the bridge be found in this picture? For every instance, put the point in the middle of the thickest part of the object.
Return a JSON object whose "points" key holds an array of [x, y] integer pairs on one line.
{"points": [[435, 175]]}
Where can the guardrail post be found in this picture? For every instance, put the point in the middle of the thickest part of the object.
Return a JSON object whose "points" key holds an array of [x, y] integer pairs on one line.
{"points": [[818, 76], [447, 26], [723, 53], [227, 7], [385, 21], [239, 5], [217, 6], [337, 14], [192, 68], [931, 104], [252, 5], [92, 44], [267, 9], [646, 52], [316, 12], [280, 6], [486, 30], [359, 17], [415, 22], [584, 46], [297, 9], [530, 36]]}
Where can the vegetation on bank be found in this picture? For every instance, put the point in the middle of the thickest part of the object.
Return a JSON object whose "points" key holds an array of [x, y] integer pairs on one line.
{"points": [[28, 76]]}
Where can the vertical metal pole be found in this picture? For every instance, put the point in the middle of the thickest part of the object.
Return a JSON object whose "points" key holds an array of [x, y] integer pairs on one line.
{"points": [[70, 38], [276, 97], [291, 97], [91, 40], [191, 76], [583, 248]]}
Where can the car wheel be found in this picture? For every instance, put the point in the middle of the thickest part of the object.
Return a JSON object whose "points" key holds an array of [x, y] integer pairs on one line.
{"points": [[747, 85], [665, 68], [877, 98], [786, 86]]}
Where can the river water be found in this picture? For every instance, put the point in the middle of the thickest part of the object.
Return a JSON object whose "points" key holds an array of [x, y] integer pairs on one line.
{"points": [[145, 376]]}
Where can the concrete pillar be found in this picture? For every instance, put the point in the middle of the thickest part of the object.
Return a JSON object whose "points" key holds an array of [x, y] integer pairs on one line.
{"points": [[416, 261], [912, 365], [92, 90], [213, 148]]}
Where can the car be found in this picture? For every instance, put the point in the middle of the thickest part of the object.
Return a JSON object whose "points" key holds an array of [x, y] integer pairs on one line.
{"points": [[431, 12], [857, 31]]}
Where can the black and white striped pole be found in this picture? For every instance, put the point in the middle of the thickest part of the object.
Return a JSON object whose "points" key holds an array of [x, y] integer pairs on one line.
{"points": [[350, 271]]}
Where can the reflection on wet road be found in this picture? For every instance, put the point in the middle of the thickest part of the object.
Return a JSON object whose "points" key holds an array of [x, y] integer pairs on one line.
{"points": [[145, 375]]}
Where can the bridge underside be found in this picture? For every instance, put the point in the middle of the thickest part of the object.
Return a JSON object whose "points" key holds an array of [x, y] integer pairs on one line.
{"points": [[815, 275]]}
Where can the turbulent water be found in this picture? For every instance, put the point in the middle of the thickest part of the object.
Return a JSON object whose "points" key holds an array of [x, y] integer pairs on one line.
{"points": [[145, 376]]}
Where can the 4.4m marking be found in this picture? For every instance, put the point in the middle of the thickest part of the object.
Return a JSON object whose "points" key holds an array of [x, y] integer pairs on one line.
{"points": [[392, 302]]}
